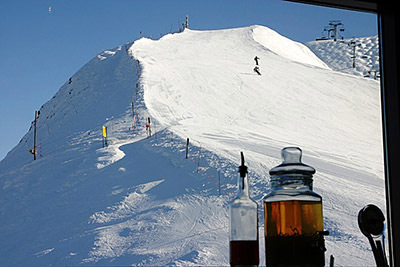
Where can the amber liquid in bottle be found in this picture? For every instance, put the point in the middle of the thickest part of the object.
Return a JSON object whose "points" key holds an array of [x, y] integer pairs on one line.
{"points": [[292, 233]]}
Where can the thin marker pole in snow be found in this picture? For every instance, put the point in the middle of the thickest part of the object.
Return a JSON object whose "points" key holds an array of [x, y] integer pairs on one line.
{"points": [[34, 137], [187, 148], [105, 136]]}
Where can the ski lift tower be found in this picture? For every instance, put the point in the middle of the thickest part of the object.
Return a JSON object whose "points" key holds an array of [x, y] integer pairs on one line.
{"points": [[333, 27], [354, 44]]}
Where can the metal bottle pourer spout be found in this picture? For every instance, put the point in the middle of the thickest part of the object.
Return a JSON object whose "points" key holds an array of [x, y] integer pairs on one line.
{"points": [[242, 168]]}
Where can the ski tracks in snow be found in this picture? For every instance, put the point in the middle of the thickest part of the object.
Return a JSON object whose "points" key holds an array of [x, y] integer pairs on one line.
{"points": [[162, 232]]}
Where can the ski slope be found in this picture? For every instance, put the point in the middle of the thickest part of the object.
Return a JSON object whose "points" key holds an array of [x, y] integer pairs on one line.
{"points": [[139, 201], [339, 55]]}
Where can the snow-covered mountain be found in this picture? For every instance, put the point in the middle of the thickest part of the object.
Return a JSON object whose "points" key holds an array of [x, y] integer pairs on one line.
{"points": [[140, 201], [356, 56]]}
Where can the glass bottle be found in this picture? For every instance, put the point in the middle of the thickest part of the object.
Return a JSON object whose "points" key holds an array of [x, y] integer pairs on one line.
{"points": [[243, 224], [293, 221]]}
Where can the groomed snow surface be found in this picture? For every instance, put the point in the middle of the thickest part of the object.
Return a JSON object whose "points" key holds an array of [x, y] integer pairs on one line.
{"points": [[340, 55], [139, 201]]}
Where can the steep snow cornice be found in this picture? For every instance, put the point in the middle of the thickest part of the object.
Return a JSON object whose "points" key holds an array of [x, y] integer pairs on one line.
{"points": [[285, 47]]}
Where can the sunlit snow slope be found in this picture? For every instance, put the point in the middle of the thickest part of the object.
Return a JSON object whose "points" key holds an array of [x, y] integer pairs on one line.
{"points": [[340, 55], [139, 201], [227, 107]]}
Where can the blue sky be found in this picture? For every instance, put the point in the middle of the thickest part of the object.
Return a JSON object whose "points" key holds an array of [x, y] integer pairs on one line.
{"points": [[41, 49]]}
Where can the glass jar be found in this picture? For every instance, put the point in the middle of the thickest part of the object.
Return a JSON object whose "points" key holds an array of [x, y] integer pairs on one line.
{"points": [[293, 221]]}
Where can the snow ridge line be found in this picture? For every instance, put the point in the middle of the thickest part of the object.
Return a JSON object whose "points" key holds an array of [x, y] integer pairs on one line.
{"points": [[218, 170], [203, 159]]}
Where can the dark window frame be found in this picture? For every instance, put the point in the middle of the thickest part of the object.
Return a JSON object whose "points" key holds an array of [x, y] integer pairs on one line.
{"points": [[389, 45]]}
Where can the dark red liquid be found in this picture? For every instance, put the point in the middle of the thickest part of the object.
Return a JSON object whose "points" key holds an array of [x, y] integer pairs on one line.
{"points": [[294, 251], [244, 252]]}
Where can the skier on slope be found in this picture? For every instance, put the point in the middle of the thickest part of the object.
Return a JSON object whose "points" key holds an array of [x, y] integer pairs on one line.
{"points": [[257, 70], [256, 60]]}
